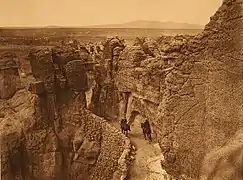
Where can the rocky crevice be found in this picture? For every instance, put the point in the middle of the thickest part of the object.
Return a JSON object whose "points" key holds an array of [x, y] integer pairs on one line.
{"points": [[52, 129], [196, 83], [189, 87]]}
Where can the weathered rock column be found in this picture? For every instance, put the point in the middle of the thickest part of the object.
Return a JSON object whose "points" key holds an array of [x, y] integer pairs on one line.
{"points": [[116, 53], [108, 61], [77, 80], [44, 160], [105, 99], [123, 104], [9, 76], [44, 72], [112, 49]]}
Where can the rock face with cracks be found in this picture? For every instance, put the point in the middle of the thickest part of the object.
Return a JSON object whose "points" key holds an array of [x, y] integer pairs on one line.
{"points": [[9, 78], [191, 93], [190, 88], [201, 108], [46, 130], [105, 98]]}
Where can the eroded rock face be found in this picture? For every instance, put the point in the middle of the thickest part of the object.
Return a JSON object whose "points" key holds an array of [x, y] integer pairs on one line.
{"points": [[47, 132], [225, 162], [9, 78], [201, 108], [188, 87], [138, 81], [10, 149], [149, 46], [194, 83], [105, 97], [76, 75]]}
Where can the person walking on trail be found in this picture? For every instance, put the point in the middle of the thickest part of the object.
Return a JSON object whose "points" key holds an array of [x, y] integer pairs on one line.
{"points": [[125, 127], [146, 130], [123, 122]]}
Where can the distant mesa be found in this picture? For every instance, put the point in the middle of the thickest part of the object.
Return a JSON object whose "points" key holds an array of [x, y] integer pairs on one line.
{"points": [[150, 25], [140, 24], [52, 26]]}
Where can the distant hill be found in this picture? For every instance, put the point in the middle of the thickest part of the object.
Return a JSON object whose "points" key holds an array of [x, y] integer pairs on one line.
{"points": [[150, 24], [143, 24], [52, 27]]}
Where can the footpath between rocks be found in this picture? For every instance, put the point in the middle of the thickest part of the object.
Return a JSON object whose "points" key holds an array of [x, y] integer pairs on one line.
{"points": [[145, 156]]}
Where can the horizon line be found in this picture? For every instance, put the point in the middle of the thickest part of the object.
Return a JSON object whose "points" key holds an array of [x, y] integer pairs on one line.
{"points": [[92, 25], [86, 27]]}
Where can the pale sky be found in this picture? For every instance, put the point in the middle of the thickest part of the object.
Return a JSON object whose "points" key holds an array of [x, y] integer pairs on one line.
{"points": [[96, 12]]}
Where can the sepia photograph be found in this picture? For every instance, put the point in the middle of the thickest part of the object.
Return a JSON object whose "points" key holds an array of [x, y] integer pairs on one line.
{"points": [[121, 90]]}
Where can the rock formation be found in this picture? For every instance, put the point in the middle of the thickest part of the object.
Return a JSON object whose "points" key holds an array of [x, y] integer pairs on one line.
{"points": [[190, 89], [105, 97], [46, 130], [201, 108], [9, 78]]}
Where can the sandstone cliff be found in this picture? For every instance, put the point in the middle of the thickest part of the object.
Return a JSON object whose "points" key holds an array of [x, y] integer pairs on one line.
{"points": [[201, 107], [105, 97], [46, 130], [190, 88]]}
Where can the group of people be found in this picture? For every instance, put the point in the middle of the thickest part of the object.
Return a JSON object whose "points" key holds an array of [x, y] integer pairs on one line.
{"points": [[146, 129]]}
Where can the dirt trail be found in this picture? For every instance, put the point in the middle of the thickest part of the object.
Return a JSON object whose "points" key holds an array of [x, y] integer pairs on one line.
{"points": [[147, 156]]}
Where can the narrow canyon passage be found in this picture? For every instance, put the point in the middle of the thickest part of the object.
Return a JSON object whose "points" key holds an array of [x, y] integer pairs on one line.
{"points": [[146, 155]]}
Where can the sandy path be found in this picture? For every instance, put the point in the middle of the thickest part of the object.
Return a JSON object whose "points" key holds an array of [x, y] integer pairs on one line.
{"points": [[147, 157]]}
